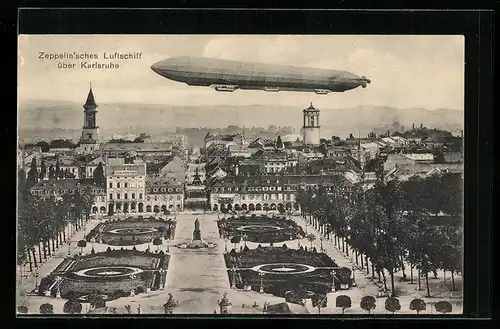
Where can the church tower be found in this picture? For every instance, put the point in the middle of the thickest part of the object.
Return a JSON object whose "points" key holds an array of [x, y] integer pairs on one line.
{"points": [[89, 141], [310, 129]]}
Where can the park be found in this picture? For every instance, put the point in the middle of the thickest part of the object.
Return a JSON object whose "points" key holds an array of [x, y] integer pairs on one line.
{"points": [[253, 276]]}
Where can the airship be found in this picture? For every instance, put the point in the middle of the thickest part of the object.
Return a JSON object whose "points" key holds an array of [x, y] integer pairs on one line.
{"points": [[229, 75]]}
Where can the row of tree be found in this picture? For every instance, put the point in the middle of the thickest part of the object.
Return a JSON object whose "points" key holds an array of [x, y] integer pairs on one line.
{"points": [[368, 303], [392, 304], [395, 223], [42, 223]]}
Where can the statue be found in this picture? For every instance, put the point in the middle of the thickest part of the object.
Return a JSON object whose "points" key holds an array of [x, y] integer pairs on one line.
{"points": [[196, 232], [197, 242]]}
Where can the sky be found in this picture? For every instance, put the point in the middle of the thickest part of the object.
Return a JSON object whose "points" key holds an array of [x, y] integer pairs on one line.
{"points": [[406, 71]]}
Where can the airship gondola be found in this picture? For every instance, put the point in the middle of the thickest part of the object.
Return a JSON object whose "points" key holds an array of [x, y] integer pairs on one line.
{"points": [[229, 75]]}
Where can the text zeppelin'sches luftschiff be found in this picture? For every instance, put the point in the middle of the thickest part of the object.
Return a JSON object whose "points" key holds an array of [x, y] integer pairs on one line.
{"points": [[85, 60]]}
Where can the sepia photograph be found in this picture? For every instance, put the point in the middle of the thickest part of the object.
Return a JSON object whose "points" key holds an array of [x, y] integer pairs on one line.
{"points": [[240, 174]]}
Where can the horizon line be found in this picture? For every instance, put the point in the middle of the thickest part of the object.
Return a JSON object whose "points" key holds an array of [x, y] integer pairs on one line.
{"points": [[228, 105]]}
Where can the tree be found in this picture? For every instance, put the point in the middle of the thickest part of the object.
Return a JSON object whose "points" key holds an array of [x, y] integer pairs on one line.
{"points": [[343, 301], [46, 308], [162, 230], [43, 170], [311, 238], [319, 301], [43, 145], [157, 242], [443, 307], [368, 303], [418, 305], [236, 239], [22, 309], [21, 180], [72, 306], [96, 300], [52, 172], [98, 175], [392, 304], [82, 244], [32, 174], [58, 171]]}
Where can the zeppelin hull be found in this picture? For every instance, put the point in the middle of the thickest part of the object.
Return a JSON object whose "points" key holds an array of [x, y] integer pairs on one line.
{"points": [[244, 75]]}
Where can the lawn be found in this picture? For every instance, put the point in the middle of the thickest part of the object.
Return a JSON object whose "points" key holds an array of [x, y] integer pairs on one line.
{"points": [[260, 229], [112, 273], [132, 231], [283, 270]]}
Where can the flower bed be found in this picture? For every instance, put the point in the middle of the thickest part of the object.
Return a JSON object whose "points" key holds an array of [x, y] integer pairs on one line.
{"points": [[113, 273], [284, 270], [132, 231], [261, 229]]}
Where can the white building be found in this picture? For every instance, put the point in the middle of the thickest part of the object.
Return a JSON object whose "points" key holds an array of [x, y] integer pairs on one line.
{"points": [[125, 185]]}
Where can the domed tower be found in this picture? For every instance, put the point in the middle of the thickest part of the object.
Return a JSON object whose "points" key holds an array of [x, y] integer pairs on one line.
{"points": [[89, 141], [310, 129]]}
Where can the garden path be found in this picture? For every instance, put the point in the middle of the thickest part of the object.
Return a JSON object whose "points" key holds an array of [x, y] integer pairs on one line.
{"points": [[197, 278]]}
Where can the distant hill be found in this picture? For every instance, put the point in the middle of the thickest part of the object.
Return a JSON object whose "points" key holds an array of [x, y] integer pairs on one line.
{"points": [[64, 119]]}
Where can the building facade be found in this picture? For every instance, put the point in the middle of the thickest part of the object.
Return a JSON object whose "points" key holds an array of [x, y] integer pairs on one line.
{"points": [[163, 193], [126, 186], [265, 192], [58, 187]]}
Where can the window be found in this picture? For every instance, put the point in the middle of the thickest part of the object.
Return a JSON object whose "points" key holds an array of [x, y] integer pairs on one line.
{"points": [[118, 185], [178, 197], [268, 181], [178, 189], [279, 188], [222, 189], [229, 189], [215, 189], [265, 188], [133, 195], [148, 198], [163, 189], [126, 195], [155, 189], [272, 188], [170, 189], [140, 195], [110, 185], [126, 184], [277, 181], [118, 195], [156, 198]]}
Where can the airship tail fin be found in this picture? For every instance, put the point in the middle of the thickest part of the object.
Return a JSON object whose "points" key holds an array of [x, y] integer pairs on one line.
{"points": [[364, 81]]}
